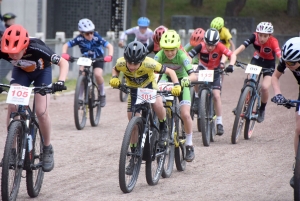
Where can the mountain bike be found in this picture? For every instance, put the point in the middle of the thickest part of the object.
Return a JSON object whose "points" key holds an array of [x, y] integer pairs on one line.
{"points": [[87, 95], [140, 142], [249, 102], [288, 104], [176, 145], [23, 147]]}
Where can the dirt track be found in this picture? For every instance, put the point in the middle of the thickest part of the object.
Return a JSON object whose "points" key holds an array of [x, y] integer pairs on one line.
{"points": [[86, 162]]}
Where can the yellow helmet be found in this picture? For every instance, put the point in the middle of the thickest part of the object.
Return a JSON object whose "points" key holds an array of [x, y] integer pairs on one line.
{"points": [[217, 23], [170, 40]]}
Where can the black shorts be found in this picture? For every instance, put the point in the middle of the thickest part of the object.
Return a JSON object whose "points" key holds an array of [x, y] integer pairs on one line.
{"points": [[270, 64], [98, 64]]}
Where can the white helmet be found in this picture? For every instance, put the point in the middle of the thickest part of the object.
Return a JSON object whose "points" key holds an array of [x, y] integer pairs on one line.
{"points": [[265, 27], [85, 25], [291, 50]]}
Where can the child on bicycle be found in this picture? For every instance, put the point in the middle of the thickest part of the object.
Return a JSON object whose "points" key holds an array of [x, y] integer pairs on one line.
{"points": [[290, 58], [210, 53], [266, 46], [32, 61], [90, 44], [154, 44], [176, 59], [142, 32]]}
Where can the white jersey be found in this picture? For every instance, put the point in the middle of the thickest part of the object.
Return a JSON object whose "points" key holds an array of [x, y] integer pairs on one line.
{"points": [[143, 38]]}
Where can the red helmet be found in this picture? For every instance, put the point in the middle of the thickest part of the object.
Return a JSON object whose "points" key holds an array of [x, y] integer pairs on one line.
{"points": [[196, 37], [15, 38], [158, 32]]}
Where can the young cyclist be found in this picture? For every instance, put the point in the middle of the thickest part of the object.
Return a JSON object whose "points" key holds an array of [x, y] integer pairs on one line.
{"points": [[210, 52], [290, 58], [9, 19], [32, 61], [266, 46], [154, 45], [174, 58], [90, 44], [142, 32], [139, 73]]}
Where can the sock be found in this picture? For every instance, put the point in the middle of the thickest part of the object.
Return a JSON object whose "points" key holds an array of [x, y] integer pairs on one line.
{"points": [[162, 123], [101, 89], [263, 106], [189, 139], [196, 95], [219, 120]]}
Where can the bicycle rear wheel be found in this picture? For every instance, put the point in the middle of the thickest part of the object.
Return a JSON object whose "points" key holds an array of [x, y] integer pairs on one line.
{"points": [[179, 141], [131, 154], [11, 167], [170, 149], [123, 96], [250, 124], [297, 175], [205, 123], [35, 175], [80, 107], [94, 105], [241, 110]]}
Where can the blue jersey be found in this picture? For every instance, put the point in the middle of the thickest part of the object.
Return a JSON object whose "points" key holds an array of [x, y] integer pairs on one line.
{"points": [[91, 48]]}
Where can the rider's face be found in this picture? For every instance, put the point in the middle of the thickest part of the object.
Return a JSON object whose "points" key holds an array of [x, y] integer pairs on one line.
{"points": [[170, 53], [262, 38], [132, 66], [292, 66], [88, 35], [17, 56]]}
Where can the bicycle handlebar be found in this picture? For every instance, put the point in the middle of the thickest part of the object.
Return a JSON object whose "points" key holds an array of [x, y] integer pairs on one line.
{"points": [[289, 103], [243, 66]]}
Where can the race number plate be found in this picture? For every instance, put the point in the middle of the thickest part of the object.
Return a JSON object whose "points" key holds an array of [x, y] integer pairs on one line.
{"points": [[206, 75], [253, 69], [83, 61], [19, 95], [146, 95], [166, 86]]}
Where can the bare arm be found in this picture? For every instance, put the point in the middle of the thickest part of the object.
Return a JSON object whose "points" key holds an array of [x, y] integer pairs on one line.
{"points": [[65, 48], [232, 45], [171, 73], [275, 82], [110, 49], [63, 69], [114, 72], [239, 49], [232, 59]]}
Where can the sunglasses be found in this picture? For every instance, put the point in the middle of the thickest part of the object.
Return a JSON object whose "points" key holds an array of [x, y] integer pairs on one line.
{"points": [[289, 63], [88, 33]]}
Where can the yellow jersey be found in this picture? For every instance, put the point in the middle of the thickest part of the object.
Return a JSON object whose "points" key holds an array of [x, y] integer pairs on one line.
{"points": [[225, 37], [143, 76]]}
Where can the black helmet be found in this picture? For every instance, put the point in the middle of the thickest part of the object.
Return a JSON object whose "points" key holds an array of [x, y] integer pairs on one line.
{"points": [[8, 16], [135, 52], [212, 36]]}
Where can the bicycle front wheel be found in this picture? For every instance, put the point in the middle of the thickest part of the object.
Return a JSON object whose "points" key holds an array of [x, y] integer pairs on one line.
{"points": [[297, 175], [241, 110], [11, 166], [179, 141], [35, 175], [131, 155], [94, 105], [192, 112], [203, 110], [80, 105], [123, 96]]}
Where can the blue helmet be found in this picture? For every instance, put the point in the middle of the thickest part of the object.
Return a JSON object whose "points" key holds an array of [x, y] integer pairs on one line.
{"points": [[143, 22]]}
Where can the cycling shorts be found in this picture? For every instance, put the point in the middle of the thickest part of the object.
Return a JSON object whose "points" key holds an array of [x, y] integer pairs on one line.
{"points": [[39, 76], [98, 64], [265, 64], [217, 78]]}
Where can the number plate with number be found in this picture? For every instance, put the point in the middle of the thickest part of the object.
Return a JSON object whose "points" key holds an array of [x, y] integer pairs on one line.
{"points": [[253, 69], [166, 86], [19, 95], [206, 75], [83, 61], [146, 95]]}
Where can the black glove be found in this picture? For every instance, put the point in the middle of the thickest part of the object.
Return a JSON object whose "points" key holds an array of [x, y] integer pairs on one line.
{"points": [[229, 69], [279, 98], [58, 86]]}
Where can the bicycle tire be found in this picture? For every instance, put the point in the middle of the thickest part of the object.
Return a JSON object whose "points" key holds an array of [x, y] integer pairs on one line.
{"points": [[199, 116], [250, 124], [203, 110], [9, 191], [192, 112], [297, 175], [170, 151], [213, 131], [128, 182], [94, 105], [80, 109], [35, 177], [179, 141], [239, 118], [123, 96], [154, 163]]}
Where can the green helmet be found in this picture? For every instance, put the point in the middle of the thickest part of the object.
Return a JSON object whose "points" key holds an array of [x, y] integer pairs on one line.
{"points": [[217, 23], [170, 40]]}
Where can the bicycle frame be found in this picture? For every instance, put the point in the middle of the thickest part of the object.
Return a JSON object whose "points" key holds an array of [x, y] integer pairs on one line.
{"points": [[89, 74]]}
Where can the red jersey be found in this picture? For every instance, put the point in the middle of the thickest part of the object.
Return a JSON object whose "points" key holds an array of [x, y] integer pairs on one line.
{"points": [[266, 51], [212, 59]]}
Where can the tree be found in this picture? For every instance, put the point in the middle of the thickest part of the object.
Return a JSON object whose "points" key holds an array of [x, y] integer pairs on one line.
{"points": [[292, 8], [234, 7], [196, 3]]}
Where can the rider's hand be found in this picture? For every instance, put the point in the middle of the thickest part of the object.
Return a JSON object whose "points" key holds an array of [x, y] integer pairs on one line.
{"points": [[66, 56], [176, 90], [108, 58], [229, 69], [185, 82], [279, 98], [115, 82], [222, 65], [58, 86], [121, 44]]}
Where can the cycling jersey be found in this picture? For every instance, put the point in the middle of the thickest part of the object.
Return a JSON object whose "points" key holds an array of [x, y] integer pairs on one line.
{"points": [[143, 38], [143, 76], [210, 60], [188, 48], [91, 48], [282, 66], [37, 57], [265, 51], [225, 37]]}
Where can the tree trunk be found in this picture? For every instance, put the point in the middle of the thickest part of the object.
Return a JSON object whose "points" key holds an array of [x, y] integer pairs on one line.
{"points": [[292, 8], [234, 7], [143, 8], [196, 3]]}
